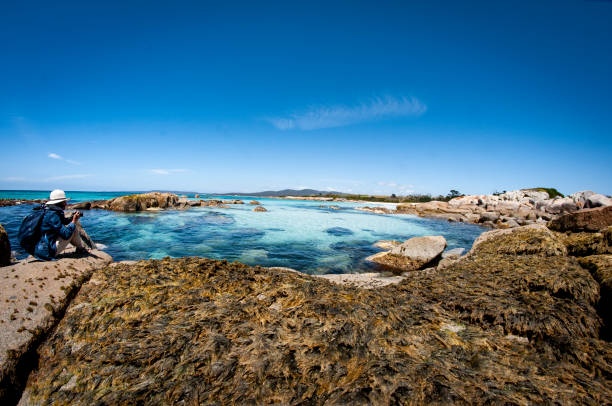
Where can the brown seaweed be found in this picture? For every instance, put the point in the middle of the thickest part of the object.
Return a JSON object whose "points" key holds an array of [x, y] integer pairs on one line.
{"points": [[492, 328]]}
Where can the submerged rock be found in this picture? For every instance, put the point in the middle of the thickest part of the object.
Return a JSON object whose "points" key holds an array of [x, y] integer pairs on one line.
{"points": [[339, 231], [5, 247], [254, 202], [260, 208]]}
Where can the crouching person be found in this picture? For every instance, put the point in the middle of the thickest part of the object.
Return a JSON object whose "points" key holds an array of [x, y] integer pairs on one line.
{"points": [[57, 231]]}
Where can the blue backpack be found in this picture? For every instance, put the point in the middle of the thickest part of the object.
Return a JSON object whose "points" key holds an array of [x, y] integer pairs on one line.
{"points": [[29, 232]]}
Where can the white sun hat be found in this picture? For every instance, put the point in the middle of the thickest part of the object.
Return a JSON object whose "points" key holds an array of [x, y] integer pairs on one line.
{"points": [[57, 196]]}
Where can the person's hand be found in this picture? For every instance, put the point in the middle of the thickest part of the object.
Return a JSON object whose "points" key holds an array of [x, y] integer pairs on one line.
{"points": [[75, 216]]}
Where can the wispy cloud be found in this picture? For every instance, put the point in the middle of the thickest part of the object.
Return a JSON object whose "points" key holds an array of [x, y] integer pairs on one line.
{"points": [[48, 179], [64, 177], [167, 171], [374, 109], [394, 186], [61, 158]]}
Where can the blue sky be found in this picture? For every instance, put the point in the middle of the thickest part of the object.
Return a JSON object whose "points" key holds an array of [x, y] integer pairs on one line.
{"points": [[372, 97]]}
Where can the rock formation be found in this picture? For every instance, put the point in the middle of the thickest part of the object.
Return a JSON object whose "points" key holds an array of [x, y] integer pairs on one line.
{"points": [[254, 202], [411, 255], [34, 295], [144, 201], [507, 210], [5, 247], [584, 220], [260, 208], [515, 321]]}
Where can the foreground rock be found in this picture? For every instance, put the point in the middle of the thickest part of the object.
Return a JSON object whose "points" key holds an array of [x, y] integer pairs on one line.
{"points": [[584, 220], [413, 254], [260, 208], [5, 247], [512, 322], [33, 296]]}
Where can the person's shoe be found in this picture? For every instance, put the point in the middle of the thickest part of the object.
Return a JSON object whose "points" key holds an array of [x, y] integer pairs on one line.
{"points": [[82, 251]]}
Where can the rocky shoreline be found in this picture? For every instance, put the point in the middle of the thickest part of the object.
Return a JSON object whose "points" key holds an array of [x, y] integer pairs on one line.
{"points": [[507, 210], [522, 318]]}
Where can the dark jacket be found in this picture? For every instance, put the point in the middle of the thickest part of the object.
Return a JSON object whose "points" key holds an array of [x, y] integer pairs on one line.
{"points": [[54, 224]]}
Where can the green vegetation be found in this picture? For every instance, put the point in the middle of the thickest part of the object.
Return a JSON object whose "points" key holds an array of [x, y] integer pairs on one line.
{"points": [[414, 198], [552, 192]]}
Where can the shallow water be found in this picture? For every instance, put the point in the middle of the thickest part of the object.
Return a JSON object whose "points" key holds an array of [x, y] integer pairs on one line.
{"points": [[296, 234]]}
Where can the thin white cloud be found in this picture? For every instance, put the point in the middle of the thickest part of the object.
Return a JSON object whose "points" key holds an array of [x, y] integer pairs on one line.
{"points": [[61, 158], [49, 179], [64, 177], [374, 109], [167, 171], [393, 186], [15, 179]]}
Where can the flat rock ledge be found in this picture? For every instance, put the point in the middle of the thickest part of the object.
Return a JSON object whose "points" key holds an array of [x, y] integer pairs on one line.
{"points": [[33, 297]]}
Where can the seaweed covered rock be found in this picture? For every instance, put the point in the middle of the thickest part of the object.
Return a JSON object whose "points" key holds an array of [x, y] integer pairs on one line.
{"points": [[198, 331], [131, 203], [601, 269], [80, 206], [527, 240], [33, 297], [5, 247], [583, 244], [584, 220]]}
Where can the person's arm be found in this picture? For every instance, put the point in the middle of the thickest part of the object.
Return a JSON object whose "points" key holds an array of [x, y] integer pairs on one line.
{"points": [[63, 231]]}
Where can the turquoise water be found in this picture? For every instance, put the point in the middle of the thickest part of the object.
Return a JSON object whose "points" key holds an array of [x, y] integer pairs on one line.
{"points": [[296, 234]]}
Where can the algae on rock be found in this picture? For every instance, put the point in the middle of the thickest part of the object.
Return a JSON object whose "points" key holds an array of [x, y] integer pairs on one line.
{"points": [[513, 322]]}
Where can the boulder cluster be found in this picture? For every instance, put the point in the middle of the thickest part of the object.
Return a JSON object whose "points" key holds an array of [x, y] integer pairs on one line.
{"points": [[151, 201], [506, 210]]}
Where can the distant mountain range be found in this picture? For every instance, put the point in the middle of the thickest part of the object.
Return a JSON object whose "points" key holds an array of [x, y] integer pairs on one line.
{"points": [[287, 192]]}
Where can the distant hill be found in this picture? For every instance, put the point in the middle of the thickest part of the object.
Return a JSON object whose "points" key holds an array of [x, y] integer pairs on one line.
{"points": [[287, 192]]}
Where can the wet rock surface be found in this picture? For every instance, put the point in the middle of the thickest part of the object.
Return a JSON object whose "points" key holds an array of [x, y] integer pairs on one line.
{"points": [[512, 322], [33, 296]]}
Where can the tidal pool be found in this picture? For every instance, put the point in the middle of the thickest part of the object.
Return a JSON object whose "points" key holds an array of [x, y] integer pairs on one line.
{"points": [[293, 233]]}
